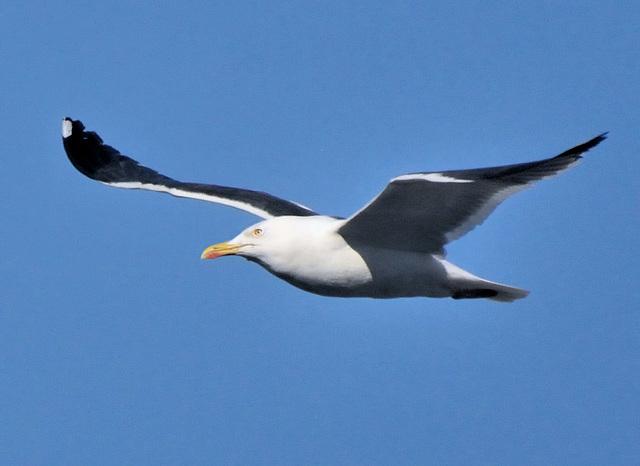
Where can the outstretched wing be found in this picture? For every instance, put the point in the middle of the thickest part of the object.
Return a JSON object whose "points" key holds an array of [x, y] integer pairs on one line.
{"points": [[424, 211], [98, 161]]}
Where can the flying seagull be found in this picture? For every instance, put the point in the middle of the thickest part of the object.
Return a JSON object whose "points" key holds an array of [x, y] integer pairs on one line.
{"points": [[393, 247]]}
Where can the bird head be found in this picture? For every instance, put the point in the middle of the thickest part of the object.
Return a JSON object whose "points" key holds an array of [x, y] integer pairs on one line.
{"points": [[276, 241], [242, 245]]}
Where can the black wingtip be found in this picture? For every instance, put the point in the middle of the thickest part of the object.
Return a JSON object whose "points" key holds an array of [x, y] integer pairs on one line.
{"points": [[597, 140], [85, 149], [584, 147], [93, 158]]}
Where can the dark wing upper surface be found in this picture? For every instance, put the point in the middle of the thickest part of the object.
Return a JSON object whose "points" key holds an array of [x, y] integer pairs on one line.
{"points": [[103, 163], [424, 211]]}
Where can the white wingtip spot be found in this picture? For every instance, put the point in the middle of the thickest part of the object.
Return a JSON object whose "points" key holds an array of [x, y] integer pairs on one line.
{"points": [[67, 128]]}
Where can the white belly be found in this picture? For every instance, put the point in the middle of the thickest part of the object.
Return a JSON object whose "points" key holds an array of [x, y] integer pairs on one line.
{"points": [[367, 272]]}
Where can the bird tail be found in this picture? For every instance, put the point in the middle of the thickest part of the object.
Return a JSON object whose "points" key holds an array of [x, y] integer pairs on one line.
{"points": [[491, 290], [465, 285]]}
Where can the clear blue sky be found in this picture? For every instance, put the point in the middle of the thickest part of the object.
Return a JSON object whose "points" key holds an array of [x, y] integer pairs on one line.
{"points": [[119, 346]]}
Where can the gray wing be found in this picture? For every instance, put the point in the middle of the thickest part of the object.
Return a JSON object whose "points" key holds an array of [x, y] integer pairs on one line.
{"points": [[424, 211], [103, 163]]}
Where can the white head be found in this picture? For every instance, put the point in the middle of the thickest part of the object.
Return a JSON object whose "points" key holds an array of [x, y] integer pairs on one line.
{"points": [[278, 241]]}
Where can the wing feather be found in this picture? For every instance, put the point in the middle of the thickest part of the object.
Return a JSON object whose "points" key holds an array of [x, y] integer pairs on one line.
{"points": [[424, 211], [98, 161]]}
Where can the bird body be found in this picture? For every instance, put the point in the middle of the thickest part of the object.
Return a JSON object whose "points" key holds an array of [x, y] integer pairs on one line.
{"points": [[309, 253], [393, 247]]}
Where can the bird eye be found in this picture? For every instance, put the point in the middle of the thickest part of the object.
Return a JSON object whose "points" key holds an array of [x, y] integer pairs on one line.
{"points": [[257, 232]]}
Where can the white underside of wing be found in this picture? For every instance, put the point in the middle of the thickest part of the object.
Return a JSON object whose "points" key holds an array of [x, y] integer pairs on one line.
{"points": [[192, 195], [568, 167], [480, 216], [433, 177], [483, 212]]}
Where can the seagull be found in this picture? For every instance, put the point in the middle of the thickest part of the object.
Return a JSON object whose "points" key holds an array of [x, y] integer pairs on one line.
{"points": [[393, 247]]}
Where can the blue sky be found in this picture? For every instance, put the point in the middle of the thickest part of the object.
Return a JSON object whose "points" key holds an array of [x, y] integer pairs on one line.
{"points": [[118, 345]]}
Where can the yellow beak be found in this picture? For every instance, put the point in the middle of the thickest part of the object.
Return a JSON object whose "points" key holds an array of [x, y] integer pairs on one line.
{"points": [[217, 250]]}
